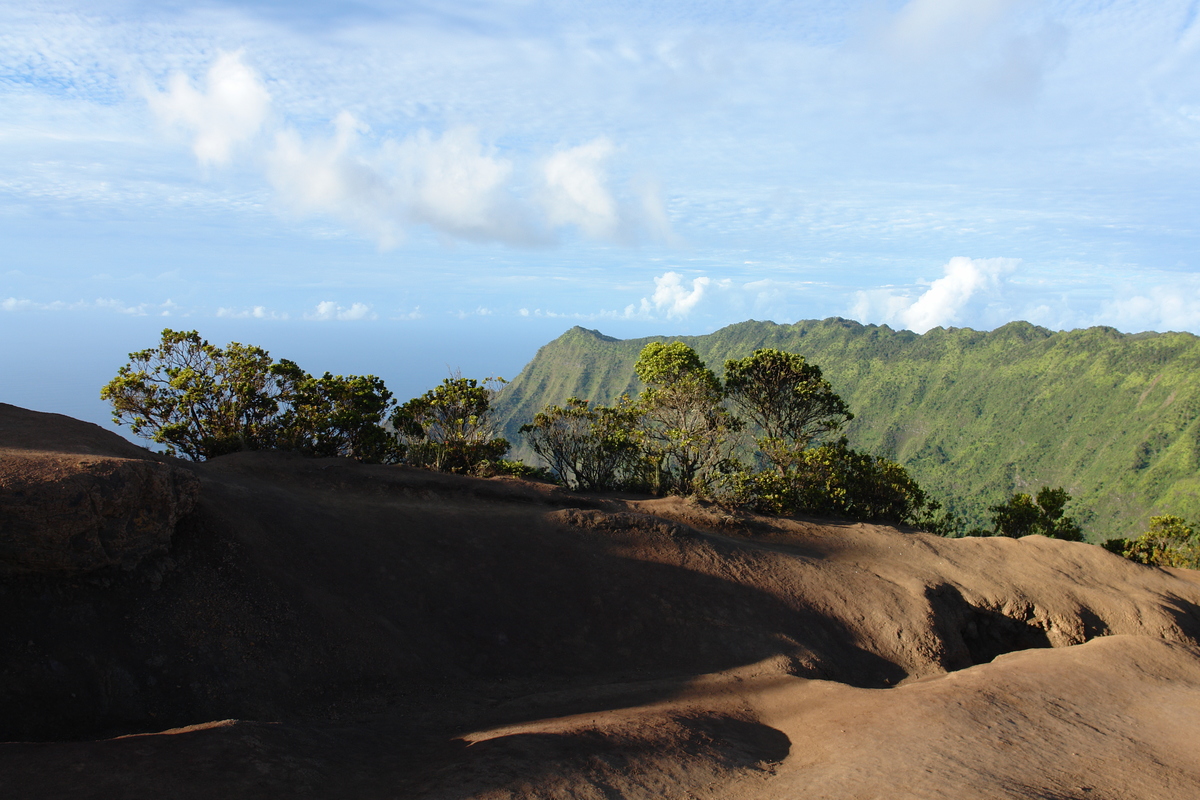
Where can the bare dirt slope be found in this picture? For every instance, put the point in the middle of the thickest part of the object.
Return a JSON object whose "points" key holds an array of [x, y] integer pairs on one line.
{"points": [[328, 629]]}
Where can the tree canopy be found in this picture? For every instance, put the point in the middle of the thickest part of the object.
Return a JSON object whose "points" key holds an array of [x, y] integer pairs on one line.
{"points": [[202, 401], [687, 429], [449, 427], [787, 399], [1024, 515], [1170, 541]]}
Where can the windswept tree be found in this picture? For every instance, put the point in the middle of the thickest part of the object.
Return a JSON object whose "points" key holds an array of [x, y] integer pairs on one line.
{"points": [[337, 416], [788, 401], [834, 479], [202, 401], [689, 431], [588, 447], [449, 428], [198, 399]]}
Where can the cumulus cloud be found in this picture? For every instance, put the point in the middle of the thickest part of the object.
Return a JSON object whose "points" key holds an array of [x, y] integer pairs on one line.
{"points": [[330, 310], [457, 186], [966, 284], [576, 191], [327, 176], [671, 297], [454, 182], [230, 107]]}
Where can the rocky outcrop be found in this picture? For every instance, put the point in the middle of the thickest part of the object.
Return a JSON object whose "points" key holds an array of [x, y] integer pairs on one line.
{"points": [[75, 512]]}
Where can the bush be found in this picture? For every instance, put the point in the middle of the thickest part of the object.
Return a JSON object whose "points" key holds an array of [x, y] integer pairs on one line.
{"points": [[1024, 515], [588, 447], [449, 427], [1170, 542], [835, 480], [203, 401]]}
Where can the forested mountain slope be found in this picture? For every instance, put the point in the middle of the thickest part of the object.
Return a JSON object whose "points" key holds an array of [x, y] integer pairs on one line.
{"points": [[973, 415]]}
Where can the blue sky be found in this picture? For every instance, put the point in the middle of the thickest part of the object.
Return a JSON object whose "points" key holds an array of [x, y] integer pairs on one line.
{"points": [[402, 188]]}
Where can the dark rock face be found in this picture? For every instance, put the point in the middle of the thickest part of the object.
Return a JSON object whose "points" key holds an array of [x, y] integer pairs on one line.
{"points": [[68, 514], [76, 498]]}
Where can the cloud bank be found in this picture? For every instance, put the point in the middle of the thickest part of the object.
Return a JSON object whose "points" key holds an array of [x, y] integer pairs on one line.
{"points": [[382, 186], [327, 310]]}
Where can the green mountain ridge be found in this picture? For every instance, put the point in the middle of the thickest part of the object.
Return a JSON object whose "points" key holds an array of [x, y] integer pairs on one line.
{"points": [[973, 415]]}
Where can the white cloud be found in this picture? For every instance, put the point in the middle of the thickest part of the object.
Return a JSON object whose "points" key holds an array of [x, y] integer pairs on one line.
{"points": [[671, 297], [457, 186], [229, 109], [576, 190], [256, 312], [480, 311], [1168, 306], [326, 176], [330, 310], [104, 304], [1000, 48], [925, 25], [967, 283], [454, 182]]}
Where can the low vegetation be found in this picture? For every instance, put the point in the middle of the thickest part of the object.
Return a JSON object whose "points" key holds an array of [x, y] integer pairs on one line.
{"points": [[201, 401], [768, 438], [1170, 542], [756, 441]]}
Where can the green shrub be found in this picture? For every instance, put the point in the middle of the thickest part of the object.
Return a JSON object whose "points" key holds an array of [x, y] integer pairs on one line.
{"points": [[1170, 542]]}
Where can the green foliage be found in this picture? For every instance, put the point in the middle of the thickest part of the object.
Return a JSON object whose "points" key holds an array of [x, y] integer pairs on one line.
{"points": [[203, 401], [971, 415], [687, 431], [449, 427], [679, 437], [337, 416], [788, 401], [594, 448], [834, 479], [1024, 515], [518, 469], [1170, 542]]}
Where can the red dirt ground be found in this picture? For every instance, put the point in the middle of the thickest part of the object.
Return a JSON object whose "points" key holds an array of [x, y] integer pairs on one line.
{"points": [[320, 628]]}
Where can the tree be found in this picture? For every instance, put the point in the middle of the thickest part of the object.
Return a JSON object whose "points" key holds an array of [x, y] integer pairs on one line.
{"points": [[688, 431], [337, 416], [787, 399], [449, 427], [203, 401], [588, 447], [1170, 542], [198, 399], [1024, 515]]}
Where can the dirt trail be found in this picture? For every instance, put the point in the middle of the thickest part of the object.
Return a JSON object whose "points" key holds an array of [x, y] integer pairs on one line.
{"points": [[382, 632]]}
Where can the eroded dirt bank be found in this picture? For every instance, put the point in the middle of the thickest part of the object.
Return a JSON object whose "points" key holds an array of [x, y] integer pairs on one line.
{"points": [[386, 632]]}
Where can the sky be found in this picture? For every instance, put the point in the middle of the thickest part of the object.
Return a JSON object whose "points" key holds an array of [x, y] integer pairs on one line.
{"points": [[411, 188]]}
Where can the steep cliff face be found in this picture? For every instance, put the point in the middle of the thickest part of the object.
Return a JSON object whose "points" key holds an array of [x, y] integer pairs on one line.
{"points": [[974, 416]]}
